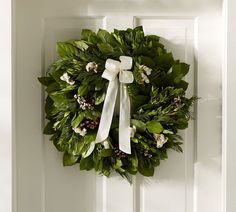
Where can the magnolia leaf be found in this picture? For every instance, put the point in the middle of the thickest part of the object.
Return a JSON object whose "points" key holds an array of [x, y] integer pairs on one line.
{"points": [[146, 171], [100, 98], [86, 33], [179, 71], [60, 100], [49, 130], [83, 89], [104, 35], [81, 44], [53, 87], [141, 126], [154, 126], [69, 160], [75, 123], [86, 163], [165, 61], [182, 84], [105, 48], [168, 132], [106, 152], [118, 165], [46, 80], [89, 151], [66, 49]]}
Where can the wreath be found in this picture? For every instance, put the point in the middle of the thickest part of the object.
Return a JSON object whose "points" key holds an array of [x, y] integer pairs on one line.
{"points": [[116, 102]]}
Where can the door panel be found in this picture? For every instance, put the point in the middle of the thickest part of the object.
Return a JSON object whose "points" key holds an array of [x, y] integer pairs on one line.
{"points": [[188, 182]]}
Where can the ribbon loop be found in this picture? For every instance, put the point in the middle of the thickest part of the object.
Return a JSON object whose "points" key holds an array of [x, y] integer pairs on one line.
{"points": [[126, 62], [126, 77], [113, 68]]}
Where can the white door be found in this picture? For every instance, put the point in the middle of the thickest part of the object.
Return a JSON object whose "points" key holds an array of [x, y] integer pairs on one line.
{"points": [[188, 182]]}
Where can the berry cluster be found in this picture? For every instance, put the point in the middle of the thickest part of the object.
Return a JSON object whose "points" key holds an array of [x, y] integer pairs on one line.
{"points": [[118, 153], [89, 124], [146, 153], [85, 103]]}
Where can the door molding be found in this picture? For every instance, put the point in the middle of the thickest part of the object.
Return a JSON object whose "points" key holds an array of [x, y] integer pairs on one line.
{"points": [[229, 105], [5, 106]]}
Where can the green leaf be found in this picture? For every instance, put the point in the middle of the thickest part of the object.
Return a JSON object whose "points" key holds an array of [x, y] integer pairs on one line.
{"points": [[46, 80], [60, 100], [84, 88], [69, 160], [179, 71], [168, 132], [154, 126], [147, 61], [89, 150], [66, 49], [81, 44], [138, 101], [182, 124], [49, 130], [146, 171], [75, 123], [104, 35], [92, 114], [105, 48], [141, 126], [118, 165], [87, 163], [165, 61], [86, 33], [53, 87], [133, 165], [100, 98], [182, 84], [106, 152]]}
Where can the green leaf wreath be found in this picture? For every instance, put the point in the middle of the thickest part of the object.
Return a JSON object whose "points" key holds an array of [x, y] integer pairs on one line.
{"points": [[76, 92]]}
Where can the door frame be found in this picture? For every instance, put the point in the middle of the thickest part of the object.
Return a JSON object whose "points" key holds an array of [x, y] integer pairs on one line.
{"points": [[228, 105], [6, 106]]}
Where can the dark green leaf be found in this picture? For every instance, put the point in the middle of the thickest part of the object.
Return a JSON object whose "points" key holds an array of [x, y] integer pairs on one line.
{"points": [[100, 98], [46, 80], [179, 71], [105, 48], [48, 130], [87, 163], [146, 171], [86, 33], [75, 123], [104, 35], [81, 44], [141, 126], [66, 49], [165, 61], [69, 160], [106, 152]]}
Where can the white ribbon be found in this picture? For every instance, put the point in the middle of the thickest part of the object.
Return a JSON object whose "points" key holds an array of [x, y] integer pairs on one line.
{"points": [[113, 68]]}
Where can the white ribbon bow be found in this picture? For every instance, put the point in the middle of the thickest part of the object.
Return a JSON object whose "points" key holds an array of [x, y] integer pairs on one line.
{"points": [[113, 68]]}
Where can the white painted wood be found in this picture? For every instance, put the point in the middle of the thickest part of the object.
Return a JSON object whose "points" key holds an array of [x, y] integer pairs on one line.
{"points": [[5, 107], [179, 36], [190, 182], [229, 105]]}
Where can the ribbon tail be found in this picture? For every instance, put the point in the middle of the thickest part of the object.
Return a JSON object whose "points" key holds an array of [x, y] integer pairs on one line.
{"points": [[124, 122], [107, 111]]}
